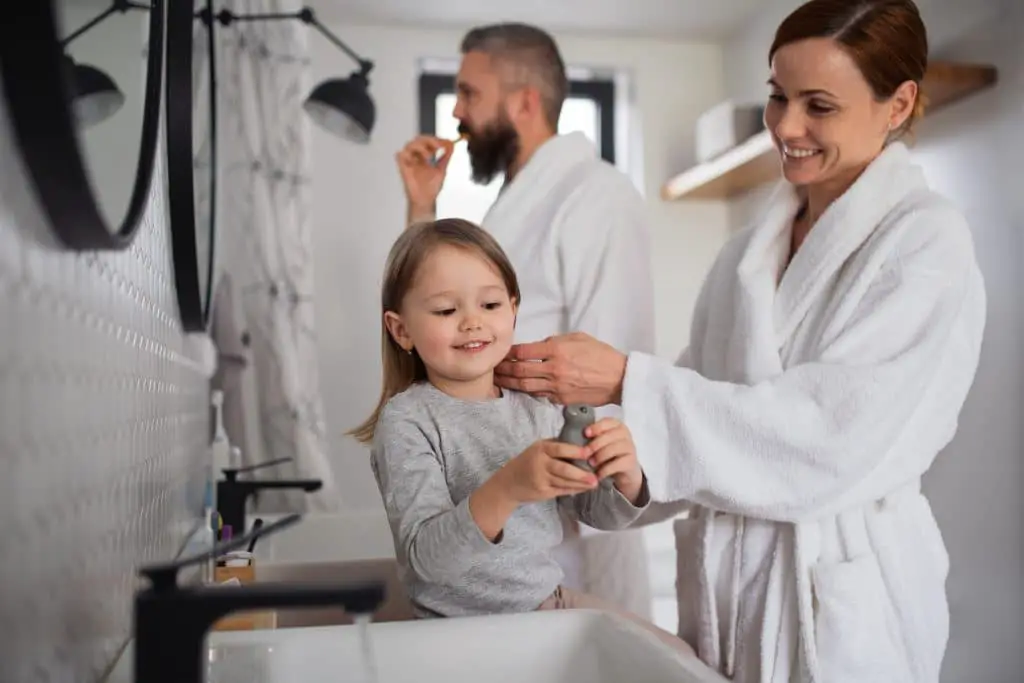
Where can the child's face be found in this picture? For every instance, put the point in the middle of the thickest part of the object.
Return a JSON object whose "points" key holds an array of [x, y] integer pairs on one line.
{"points": [[459, 318]]}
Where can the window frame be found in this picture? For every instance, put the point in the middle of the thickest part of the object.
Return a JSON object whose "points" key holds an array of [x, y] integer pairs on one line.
{"points": [[600, 90]]}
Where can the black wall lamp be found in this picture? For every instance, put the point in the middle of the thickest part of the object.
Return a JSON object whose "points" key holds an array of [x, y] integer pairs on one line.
{"points": [[96, 95], [342, 106]]}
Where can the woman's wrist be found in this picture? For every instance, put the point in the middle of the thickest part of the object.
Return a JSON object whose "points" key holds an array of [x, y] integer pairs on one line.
{"points": [[617, 378]]}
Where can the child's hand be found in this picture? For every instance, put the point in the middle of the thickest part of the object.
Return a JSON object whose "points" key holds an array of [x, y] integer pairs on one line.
{"points": [[543, 471], [611, 453]]}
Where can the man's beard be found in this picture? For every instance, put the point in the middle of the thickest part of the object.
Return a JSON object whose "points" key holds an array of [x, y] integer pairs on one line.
{"points": [[492, 149]]}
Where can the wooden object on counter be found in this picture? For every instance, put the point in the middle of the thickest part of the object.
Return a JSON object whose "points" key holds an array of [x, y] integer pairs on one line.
{"points": [[242, 621]]}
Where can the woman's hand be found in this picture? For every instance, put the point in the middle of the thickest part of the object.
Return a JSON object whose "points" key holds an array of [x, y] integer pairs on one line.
{"points": [[569, 368], [611, 453]]}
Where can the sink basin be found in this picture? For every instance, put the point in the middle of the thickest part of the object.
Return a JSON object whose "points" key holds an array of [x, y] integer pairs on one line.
{"points": [[322, 537], [539, 647], [396, 605]]}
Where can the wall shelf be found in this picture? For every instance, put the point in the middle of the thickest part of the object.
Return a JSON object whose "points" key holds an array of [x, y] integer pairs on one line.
{"points": [[755, 161]]}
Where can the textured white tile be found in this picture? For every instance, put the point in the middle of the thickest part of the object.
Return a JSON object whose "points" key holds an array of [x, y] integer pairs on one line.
{"points": [[102, 424]]}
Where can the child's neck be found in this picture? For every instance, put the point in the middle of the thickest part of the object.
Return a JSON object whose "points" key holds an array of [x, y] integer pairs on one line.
{"points": [[480, 389]]}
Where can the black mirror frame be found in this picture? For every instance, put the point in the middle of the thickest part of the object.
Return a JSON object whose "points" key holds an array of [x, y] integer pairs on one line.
{"points": [[193, 304], [36, 87]]}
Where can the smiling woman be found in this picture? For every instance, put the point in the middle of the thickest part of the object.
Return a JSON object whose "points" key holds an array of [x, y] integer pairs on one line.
{"points": [[843, 84]]}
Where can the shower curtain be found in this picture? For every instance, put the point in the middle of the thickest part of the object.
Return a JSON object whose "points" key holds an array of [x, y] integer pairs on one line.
{"points": [[263, 315]]}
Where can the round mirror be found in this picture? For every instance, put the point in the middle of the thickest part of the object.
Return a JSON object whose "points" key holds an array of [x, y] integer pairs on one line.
{"points": [[83, 81], [191, 156]]}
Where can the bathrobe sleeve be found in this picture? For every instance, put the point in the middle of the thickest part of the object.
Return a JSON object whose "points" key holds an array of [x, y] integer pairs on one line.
{"points": [[868, 414], [605, 262]]}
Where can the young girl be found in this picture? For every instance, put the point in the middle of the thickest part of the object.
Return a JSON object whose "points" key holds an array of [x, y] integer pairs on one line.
{"points": [[470, 476]]}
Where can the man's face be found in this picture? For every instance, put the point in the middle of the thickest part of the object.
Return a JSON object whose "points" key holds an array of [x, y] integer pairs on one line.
{"points": [[481, 109]]}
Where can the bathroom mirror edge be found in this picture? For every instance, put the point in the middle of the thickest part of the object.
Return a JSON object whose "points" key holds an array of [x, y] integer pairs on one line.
{"points": [[37, 90], [194, 292]]}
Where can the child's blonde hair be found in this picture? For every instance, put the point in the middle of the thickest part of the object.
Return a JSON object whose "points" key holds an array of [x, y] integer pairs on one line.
{"points": [[402, 369]]}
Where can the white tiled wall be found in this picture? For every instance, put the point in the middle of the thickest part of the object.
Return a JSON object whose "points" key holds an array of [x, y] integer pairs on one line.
{"points": [[102, 429]]}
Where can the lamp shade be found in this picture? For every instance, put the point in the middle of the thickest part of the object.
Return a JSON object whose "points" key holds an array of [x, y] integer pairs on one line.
{"points": [[344, 107], [95, 96]]}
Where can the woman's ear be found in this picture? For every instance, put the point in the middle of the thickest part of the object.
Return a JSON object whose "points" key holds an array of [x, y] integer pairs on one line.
{"points": [[902, 106], [396, 328]]}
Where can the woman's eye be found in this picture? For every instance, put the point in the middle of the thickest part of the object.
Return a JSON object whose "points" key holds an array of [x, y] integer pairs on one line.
{"points": [[819, 108]]}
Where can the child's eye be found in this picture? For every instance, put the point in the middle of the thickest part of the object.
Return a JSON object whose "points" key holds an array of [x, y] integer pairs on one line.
{"points": [[492, 305], [445, 311]]}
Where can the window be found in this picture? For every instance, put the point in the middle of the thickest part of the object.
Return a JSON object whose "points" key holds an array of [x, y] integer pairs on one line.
{"points": [[589, 108]]}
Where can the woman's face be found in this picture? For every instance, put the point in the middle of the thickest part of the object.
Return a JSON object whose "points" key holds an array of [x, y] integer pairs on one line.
{"points": [[823, 116]]}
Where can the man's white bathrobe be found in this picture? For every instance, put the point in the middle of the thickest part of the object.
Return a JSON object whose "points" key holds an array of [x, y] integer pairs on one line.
{"points": [[799, 422], [575, 228]]}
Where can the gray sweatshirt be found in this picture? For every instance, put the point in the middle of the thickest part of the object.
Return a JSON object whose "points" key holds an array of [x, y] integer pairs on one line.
{"points": [[430, 452]]}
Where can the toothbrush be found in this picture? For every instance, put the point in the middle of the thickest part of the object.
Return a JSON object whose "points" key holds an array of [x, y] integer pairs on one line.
{"points": [[462, 136]]}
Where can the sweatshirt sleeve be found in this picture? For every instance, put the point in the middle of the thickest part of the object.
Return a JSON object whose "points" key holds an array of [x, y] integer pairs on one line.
{"points": [[605, 508], [435, 537]]}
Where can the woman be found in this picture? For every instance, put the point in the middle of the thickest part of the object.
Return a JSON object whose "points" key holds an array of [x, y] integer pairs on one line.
{"points": [[832, 347]]}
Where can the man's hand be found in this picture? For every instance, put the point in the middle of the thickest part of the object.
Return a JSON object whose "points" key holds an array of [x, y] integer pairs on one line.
{"points": [[612, 453], [422, 178]]}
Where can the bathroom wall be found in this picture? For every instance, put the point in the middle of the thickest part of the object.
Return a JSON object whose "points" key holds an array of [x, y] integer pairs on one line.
{"points": [[102, 427], [971, 153]]}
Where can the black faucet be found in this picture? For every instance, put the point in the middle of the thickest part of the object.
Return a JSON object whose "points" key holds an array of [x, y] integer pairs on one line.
{"points": [[171, 621], [232, 494]]}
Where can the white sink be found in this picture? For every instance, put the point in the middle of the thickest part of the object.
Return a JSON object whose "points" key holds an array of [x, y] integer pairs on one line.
{"points": [[321, 537], [537, 647]]}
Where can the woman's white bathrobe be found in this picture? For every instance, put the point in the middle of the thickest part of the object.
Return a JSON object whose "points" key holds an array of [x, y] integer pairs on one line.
{"points": [[799, 422]]}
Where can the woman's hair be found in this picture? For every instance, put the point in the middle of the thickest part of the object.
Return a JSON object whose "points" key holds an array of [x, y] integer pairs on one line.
{"points": [[402, 369], [886, 39]]}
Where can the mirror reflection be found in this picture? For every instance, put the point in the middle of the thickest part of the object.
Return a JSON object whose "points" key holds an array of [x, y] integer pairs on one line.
{"points": [[105, 48]]}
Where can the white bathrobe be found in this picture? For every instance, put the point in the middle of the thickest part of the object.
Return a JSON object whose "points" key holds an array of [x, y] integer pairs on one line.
{"points": [[576, 230], [799, 422]]}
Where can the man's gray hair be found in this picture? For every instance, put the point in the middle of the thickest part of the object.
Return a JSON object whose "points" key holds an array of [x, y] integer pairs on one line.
{"points": [[534, 57]]}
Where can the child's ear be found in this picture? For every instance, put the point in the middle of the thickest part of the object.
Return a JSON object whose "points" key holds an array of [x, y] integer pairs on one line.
{"points": [[396, 328], [515, 310]]}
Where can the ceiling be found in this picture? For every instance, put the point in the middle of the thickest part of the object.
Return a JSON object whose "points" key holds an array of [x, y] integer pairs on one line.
{"points": [[710, 20], [678, 19]]}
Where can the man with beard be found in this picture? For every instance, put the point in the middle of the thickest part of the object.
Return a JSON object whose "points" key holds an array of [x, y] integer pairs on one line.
{"points": [[574, 227]]}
